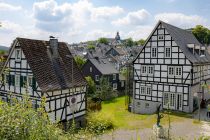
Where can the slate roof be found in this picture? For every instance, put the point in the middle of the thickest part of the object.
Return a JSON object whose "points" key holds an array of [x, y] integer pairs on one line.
{"points": [[51, 73], [104, 66], [182, 38]]}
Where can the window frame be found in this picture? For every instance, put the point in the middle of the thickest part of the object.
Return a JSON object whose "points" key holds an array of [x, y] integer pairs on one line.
{"points": [[17, 58], [154, 53], [166, 54], [91, 69], [144, 69], [177, 71], [162, 37], [17, 82], [30, 77], [145, 89], [96, 77], [150, 70], [114, 76], [114, 86]]}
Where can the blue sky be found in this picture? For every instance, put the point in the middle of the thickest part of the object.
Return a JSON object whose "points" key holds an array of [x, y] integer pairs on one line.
{"points": [[81, 20]]}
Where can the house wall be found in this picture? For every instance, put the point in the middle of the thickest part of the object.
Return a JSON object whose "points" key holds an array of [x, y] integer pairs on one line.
{"points": [[160, 81], [57, 102], [86, 72]]}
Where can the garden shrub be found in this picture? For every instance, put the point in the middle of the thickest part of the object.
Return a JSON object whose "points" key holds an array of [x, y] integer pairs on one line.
{"points": [[20, 121], [98, 123]]}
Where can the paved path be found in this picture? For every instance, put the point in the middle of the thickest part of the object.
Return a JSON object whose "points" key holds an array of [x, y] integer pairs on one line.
{"points": [[187, 129]]}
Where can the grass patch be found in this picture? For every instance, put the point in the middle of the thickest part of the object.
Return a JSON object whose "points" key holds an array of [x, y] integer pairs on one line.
{"points": [[196, 122], [121, 118]]}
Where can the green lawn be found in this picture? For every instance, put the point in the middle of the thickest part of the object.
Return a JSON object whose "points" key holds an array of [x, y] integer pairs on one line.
{"points": [[116, 110]]}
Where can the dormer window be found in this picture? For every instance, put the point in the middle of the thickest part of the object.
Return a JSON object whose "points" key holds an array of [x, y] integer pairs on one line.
{"points": [[160, 37], [17, 54]]}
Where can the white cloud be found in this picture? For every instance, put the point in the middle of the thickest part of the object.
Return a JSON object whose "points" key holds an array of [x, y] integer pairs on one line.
{"points": [[95, 34], [50, 16], [139, 17], [182, 20], [10, 27], [8, 7], [105, 12], [140, 32]]}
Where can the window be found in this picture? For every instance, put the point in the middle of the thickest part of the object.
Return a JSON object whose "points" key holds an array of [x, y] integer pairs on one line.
{"points": [[114, 86], [171, 71], [6, 80], [167, 52], [122, 83], [147, 70], [91, 69], [138, 104], [165, 99], [97, 77], [17, 54], [145, 90], [114, 76], [146, 105], [174, 71], [178, 71], [154, 52], [160, 37], [17, 80], [97, 87], [29, 81], [148, 90], [150, 69], [144, 70]]}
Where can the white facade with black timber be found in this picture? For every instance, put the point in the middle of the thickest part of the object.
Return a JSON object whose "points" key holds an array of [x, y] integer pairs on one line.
{"points": [[166, 71], [19, 79]]}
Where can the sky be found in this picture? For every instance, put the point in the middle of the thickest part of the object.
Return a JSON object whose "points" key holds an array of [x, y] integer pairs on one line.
{"points": [[74, 21]]}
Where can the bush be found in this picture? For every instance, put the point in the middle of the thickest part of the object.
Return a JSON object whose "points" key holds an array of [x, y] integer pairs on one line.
{"points": [[93, 105], [98, 123], [20, 121]]}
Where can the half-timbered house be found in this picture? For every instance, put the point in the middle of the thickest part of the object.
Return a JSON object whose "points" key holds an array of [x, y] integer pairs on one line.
{"points": [[168, 71], [45, 69]]}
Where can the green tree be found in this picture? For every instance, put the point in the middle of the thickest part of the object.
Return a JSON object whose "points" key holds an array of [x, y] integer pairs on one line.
{"points": [[103, 41], [129, 42], [141, 42], [202, 34], [91, 86], [91, 47], [105, 91], [80, 61]]}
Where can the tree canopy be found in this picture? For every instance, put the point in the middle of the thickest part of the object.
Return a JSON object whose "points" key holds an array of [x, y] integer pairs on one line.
{"points": [[80, 61], [129, 42], [91, 86], [141, 42], [202, 34], [91, 47], [103, 41]]}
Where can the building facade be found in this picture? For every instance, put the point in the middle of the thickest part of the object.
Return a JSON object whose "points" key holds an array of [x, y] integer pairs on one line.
{"points": [[45, 69], [97, 68], [168, 71]]}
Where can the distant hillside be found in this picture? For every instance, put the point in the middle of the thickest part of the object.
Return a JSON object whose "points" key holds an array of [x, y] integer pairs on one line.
{"points": [[4, 48]]}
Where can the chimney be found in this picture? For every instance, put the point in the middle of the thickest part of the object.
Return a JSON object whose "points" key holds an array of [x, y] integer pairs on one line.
{"points": [[54, 46]]}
